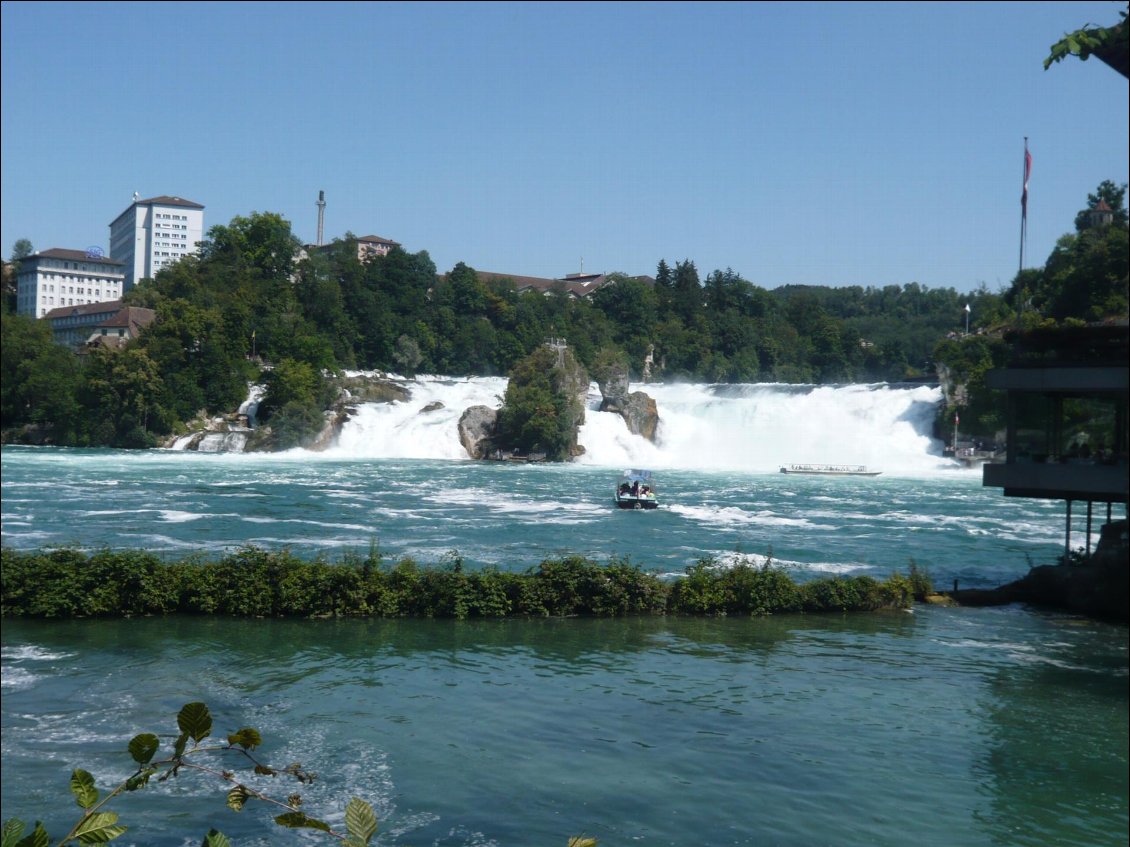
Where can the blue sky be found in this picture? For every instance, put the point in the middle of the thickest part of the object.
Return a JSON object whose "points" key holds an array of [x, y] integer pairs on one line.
{"points": [[795, 143]]}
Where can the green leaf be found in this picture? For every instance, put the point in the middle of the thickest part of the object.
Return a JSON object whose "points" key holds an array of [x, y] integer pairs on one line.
{"points": [[38, 837], [237, 798], [247, 738], [82, 786], [581, 841], [181, 743], [195, 721], [13, 829], [99, 828], [360, 820], [143, 747], [299, 820], [215, 839]]}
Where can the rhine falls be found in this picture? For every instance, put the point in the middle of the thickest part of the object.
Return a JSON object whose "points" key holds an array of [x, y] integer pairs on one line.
{"points": [[741, 427]]}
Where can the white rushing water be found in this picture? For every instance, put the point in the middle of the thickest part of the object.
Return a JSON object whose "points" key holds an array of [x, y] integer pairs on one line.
{"points": [[748, 427]]}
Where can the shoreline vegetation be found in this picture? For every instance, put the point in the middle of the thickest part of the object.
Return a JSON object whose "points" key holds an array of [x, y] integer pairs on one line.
{"points": [[255, 583]]}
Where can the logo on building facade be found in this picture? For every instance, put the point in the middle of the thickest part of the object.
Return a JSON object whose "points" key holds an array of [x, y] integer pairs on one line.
{"points": [[94, 253]]}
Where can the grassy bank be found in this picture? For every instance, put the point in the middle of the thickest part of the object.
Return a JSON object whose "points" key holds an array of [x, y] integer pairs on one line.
{"points": [[252, 582]]}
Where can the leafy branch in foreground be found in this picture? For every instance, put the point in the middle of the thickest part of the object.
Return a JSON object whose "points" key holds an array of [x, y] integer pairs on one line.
{"points": [[98, 825]]}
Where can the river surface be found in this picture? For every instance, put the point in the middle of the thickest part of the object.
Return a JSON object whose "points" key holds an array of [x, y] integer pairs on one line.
{"points": [[1001, 726]]}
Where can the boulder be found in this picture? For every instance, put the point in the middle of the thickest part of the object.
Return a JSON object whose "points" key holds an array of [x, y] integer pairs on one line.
{"points": [[636, 408], [641, 415], [476, 430]]}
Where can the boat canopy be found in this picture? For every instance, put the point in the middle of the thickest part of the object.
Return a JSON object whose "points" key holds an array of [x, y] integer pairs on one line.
{"points": [[634, 474]]}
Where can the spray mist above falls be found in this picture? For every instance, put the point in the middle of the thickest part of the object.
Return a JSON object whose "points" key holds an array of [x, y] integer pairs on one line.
{"points": [[755, 428]]}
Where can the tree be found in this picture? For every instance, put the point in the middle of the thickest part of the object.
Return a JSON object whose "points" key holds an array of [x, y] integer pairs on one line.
{"points": [[21, 249], [120, 394], [262, 241], [1110, 43], [541, 410], [407, 355], [38, 379], [1110, 194], [687, 294], [633, 310]]}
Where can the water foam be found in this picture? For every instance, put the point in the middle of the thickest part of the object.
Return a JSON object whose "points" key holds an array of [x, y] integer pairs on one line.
{"points": [[748, 428]]}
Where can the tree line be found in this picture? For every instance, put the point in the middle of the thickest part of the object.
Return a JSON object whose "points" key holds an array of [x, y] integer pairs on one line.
{"points": [[253, 297]]}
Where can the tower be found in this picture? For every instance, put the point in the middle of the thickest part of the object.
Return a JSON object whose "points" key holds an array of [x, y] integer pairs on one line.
{"points": [[321, 215]]}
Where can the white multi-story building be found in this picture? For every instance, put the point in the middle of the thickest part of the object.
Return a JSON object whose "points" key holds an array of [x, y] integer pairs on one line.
{"points": [[59, 277], [152, 234]]}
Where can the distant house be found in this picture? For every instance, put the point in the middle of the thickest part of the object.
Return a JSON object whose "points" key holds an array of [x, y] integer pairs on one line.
{"points": [[60, 277], [578, 286], [76, 326], [368, 247], [126, 325]]}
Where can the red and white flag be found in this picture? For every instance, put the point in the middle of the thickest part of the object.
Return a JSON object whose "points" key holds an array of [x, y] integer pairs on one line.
{"points": [[1027, 174]]}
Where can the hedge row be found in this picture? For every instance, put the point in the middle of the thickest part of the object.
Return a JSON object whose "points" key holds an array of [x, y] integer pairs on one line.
{"points": [[253, 582]]}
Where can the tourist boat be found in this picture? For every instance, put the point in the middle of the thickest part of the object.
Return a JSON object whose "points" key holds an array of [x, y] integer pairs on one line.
{"points": [[830, 470], [636, 490]]}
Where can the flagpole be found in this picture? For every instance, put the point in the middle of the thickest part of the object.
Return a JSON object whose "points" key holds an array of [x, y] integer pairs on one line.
{"points": [[1026, 170]]}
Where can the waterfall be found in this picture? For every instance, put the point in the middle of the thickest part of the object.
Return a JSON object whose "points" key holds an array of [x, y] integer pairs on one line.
{"points": [[756, 428]]}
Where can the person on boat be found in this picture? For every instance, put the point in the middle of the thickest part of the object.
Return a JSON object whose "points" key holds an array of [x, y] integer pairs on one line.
{"points": [[636, 488], [624, 488]]}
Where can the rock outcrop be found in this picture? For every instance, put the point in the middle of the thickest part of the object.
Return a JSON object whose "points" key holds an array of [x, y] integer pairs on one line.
{"points": [[637, 408], [238, 433], [477, 427], [1098, 587]]}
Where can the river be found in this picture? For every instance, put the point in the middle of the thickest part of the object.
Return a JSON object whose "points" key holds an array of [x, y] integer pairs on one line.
{"points": [[936, 726]]}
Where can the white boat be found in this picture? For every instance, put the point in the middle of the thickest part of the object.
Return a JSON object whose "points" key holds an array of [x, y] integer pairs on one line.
{"points": [[636, 490], [830, 470]]}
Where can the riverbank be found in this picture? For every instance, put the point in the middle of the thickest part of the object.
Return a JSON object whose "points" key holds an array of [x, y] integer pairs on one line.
{"points": [[1098, 587]]}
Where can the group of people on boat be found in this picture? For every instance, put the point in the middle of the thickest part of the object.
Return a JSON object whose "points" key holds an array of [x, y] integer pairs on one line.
{"points": [[634, 489]]}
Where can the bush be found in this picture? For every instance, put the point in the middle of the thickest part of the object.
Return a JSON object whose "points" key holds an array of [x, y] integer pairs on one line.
{"points": [[253, 582]]}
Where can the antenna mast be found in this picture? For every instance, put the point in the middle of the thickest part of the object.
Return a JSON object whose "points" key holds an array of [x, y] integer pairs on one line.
{"points": [[321, 214]]}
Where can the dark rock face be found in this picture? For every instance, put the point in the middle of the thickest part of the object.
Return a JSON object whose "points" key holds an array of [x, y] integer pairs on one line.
{"points": [[572, 381], [637, 409], [641, 414], [1098, 588], [613, 390], [476, 430], [364, 389]]}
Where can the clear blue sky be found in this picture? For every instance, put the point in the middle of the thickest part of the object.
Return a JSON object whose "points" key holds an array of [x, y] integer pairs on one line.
{"points": [[806, 143]]}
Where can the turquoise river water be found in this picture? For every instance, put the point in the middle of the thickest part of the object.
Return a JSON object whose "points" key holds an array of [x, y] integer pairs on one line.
{"points": [[998, 726]]}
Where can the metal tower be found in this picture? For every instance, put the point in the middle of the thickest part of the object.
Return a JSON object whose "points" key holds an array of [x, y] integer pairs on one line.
{"points": [[321, 214]]}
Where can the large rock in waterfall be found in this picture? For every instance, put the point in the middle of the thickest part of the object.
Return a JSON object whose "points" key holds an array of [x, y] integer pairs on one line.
{"points": [[477, 427], [637, 408]]}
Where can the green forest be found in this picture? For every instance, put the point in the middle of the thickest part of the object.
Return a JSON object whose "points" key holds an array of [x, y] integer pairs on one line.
{"points": [[253, 307]]}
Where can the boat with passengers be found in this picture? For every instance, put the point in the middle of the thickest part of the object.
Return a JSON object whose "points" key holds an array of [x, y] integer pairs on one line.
{"points": [[830, 470], [636, 490]]}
